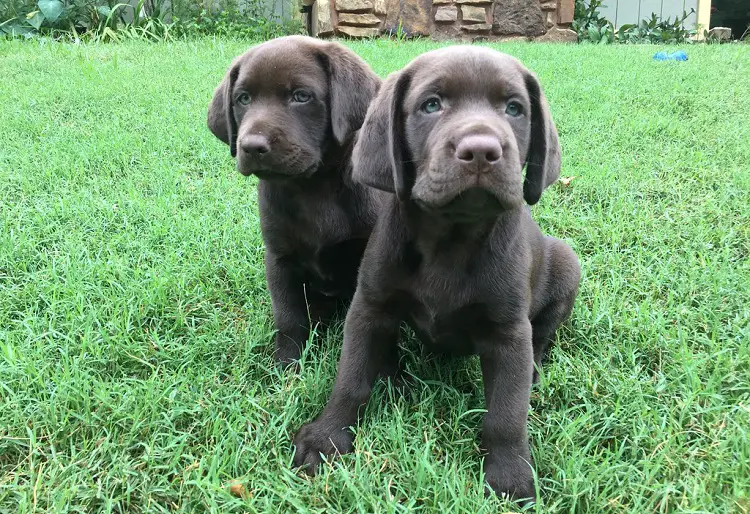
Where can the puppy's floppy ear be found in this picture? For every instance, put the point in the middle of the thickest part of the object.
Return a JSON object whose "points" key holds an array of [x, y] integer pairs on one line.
{"points": [[379, 158], [221, 120], [543, 158], [352, 86]]}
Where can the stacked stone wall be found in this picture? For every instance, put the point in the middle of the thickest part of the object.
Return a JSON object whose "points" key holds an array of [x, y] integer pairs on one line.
{"points": [[472, 20]]}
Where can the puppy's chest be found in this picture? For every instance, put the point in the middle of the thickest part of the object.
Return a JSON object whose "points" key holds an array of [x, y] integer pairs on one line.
{"points": [[450, 311], [320, 240], [306, 227]]}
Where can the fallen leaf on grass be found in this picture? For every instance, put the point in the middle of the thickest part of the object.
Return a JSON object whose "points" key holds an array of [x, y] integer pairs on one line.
{"points": [[237, 489], [565, 181]]}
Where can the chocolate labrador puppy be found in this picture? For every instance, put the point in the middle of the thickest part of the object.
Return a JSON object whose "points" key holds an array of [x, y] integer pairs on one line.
{"points": [[455, 252], [289, 110]]}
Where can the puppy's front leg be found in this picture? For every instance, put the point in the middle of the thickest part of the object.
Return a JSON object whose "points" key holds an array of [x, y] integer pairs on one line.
{"points": [[370, 336], [507, 370], [289, 309]]}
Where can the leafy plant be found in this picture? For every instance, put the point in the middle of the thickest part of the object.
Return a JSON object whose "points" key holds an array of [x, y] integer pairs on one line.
{"points": [[154, 20], [245, 19], [590, 24], [236, 24], [58, 17], [400, 34], [654, 30], [593, 27]]}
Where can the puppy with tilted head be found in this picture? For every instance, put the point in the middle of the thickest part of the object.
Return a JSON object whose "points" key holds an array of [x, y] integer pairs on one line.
{"points": [[455, 252], [289, 109]]}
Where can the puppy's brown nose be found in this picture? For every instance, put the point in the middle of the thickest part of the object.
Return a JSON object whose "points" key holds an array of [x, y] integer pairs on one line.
{"points": [[255, 144], [479, 149]]}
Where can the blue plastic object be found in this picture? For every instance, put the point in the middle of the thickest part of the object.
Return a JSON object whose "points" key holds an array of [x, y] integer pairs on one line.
{"points": [[674, 56]]}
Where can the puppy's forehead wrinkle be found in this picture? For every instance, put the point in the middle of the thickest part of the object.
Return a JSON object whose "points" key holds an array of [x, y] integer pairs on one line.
{"points": [[467, 72], [281, 72]]}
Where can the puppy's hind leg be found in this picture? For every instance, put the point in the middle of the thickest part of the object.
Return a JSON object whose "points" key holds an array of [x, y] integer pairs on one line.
{"points": [[556, 294], [321, 309]]}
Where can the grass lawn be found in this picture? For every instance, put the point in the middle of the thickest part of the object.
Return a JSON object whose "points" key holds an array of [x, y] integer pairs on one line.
{"points": [[136, 370]]}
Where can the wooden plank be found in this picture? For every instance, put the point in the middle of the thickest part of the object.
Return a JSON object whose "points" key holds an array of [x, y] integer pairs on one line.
{"points": [[704, 17], [693, 18], [609, 10], [648, 7], [621, 12], [672, 8], [627, 12]]}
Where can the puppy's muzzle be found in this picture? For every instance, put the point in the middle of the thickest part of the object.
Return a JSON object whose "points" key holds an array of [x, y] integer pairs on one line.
{"points": [[478, 153]]}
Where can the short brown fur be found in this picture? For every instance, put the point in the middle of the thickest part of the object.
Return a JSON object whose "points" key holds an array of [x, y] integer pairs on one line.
{"points": [[289, 109], [455, 252]]}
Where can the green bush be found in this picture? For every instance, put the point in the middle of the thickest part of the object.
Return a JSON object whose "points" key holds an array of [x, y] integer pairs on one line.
{"points": [[590, 24], [233, 23], [654, 30], [23, 18], [246, 19], [592, 27], [112, 20]]}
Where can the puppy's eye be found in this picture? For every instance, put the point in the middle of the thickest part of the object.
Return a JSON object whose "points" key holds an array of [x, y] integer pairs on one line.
{"points": [[513, 109], [243, 98], [301, 96], [432, 105]]}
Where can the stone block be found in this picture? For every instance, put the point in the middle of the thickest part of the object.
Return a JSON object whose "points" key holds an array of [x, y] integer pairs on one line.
{"points": [[509, 39], [720, 33], [558, 35], [518, 17], [446, 14], [414, 16], [549, 5], [359, 32], [474, 14], [476, 27], [359, 20], [550, 19], [324, 25], [446, 32], [379, 7], [565, 11], [353, 5]]}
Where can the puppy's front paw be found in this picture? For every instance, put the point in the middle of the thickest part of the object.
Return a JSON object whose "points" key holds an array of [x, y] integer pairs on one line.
{"points": [[320, 437], [511, 477], [287, 352]]}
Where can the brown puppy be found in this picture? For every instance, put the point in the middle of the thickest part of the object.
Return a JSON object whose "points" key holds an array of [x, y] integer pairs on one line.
{"points": [[455, 252], [289, 110]]}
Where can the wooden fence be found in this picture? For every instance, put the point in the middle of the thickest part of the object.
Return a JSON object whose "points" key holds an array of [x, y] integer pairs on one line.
{"points": [[621, 12]]}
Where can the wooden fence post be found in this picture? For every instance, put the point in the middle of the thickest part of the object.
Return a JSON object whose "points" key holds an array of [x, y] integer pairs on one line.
{"points": [[704, 18]]}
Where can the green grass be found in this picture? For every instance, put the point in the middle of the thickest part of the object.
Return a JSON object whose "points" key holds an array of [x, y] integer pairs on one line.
{"points": [[136, 369]]}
